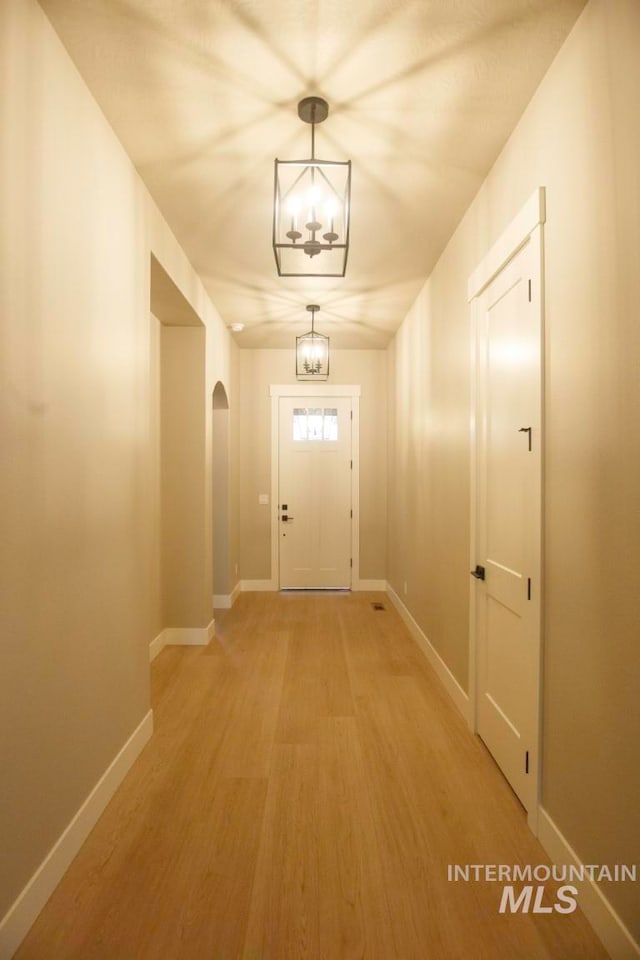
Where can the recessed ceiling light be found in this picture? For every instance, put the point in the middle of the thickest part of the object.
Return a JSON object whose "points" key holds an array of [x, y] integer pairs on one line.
{"points": [[236, 327]]}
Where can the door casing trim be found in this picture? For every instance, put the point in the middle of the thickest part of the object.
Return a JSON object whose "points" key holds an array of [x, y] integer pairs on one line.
{"points": [[320, 390]]}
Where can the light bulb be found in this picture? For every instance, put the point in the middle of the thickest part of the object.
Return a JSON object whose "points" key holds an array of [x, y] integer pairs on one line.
{"points": [[314, 195], [293, 208], [330, 208]]}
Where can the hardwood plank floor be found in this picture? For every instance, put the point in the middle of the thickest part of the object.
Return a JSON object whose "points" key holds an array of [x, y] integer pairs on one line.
{"points": [[306, 787]]}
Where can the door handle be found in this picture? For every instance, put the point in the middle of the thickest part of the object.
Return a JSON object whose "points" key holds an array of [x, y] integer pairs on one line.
{"points": [[526, 430], [286, 517], [478, 573]]}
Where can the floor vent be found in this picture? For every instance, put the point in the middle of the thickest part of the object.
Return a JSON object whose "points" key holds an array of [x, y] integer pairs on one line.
{"points": [[378, 606]]}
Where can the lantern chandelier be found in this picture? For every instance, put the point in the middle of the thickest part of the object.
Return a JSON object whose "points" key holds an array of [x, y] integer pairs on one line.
{"points": [[312, 352], [311, 208]]}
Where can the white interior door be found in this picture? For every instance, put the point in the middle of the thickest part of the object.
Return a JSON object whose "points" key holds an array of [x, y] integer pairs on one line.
{"points": [[314, 495], [508, 519]]}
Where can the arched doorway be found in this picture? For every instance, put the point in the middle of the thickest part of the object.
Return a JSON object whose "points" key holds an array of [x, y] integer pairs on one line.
{"points": [[220, 494]]}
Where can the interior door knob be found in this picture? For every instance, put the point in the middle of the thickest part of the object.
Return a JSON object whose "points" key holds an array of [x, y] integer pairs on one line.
{"points": [[478, 573]]}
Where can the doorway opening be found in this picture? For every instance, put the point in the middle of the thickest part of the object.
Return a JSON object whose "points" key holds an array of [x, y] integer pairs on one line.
{"points": [[221, 565], [179, 594]]}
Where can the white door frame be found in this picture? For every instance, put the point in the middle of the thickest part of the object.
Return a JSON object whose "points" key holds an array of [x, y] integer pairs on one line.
{"points": [[525, 228], [321, 390]]}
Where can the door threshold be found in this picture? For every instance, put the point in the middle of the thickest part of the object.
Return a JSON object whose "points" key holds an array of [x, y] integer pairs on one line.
{"points": [[316, 590]]}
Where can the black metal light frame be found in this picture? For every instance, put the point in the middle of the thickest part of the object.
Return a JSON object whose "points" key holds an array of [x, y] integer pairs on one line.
{"points": [[306, 368], [311, 110]]}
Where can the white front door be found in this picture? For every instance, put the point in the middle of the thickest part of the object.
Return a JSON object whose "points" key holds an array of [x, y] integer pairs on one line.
{"points": [[508, 519], [314, 496]]}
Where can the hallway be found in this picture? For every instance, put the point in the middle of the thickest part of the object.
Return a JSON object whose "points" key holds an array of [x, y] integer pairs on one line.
{"points": [[306, 787]]}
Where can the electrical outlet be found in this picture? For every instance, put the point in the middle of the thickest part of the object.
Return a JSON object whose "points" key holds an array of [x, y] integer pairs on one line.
{"points": [[263, 499]]}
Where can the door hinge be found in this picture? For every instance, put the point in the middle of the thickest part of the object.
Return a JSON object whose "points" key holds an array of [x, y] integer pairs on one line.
{"points": [[351, 562], [526, 761], [351, 514], [351, 464], [528, 588], [351, 414], [529, 291]]}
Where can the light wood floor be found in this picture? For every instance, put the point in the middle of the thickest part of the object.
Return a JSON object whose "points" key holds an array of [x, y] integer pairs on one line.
{"points": [[305, 789]]}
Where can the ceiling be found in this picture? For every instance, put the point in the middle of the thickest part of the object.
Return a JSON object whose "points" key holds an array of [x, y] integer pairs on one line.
{"points": [[422, 96]]}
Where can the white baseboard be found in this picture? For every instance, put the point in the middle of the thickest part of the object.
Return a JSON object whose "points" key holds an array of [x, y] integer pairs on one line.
{"points": [[156, 646], [377, 585], [451, 685], [20, 917], [181, 637], [188, 636], [224, 601], [595, 906], [262, 586]]}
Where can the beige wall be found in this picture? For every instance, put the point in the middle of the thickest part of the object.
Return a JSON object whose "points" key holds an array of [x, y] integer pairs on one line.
{"points": [[234, 466], [579, 137], [186, 589], [154, 490], [79, 426], [259, 369]]}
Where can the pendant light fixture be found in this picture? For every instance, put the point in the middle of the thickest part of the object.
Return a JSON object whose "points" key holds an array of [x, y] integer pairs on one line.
{"points": [[312, 352], [311, 208]]}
